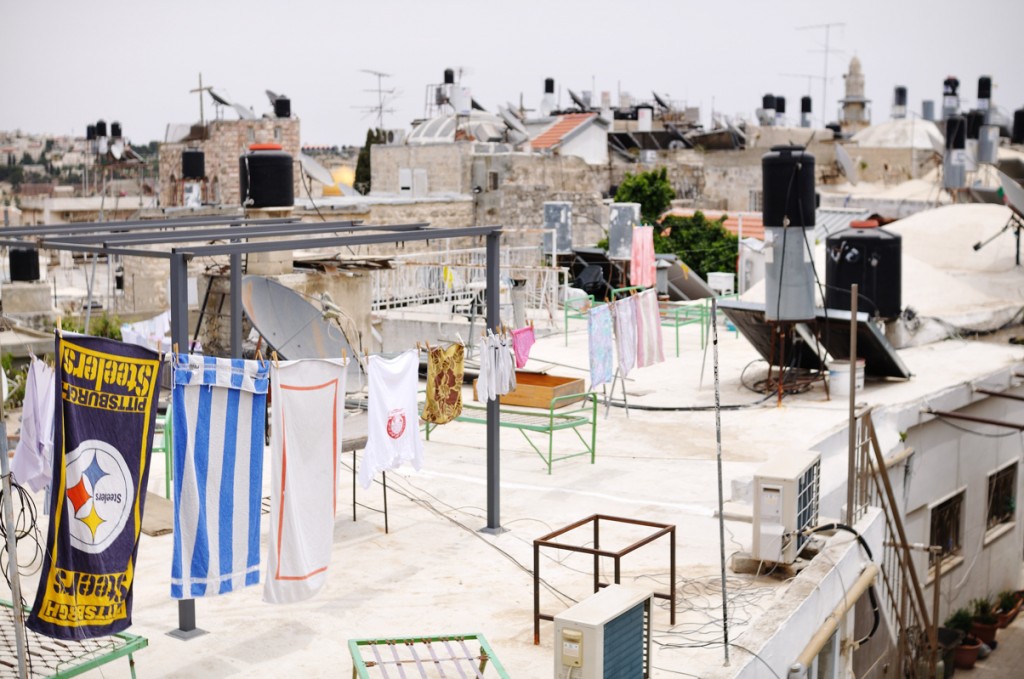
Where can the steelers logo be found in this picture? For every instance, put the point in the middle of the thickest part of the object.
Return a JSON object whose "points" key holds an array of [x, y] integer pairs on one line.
{"points": [[99, 495]]}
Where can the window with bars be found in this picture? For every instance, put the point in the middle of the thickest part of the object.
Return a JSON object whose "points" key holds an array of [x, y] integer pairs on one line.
{"points": [[946, 531], [1002, 496], [755, 200]]}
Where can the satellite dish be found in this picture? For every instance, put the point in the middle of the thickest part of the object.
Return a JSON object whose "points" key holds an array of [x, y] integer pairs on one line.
{"points": [[117, 149], [578, 101], [661, 102], [218, 98], [846, 164], [476, 105], [512, 121], [292, 326], [315, 170], [243, 112], [272, 96]]}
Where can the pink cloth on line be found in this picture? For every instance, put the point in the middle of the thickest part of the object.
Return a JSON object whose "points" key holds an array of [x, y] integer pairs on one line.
{"points": [[522, 340], [641, 265]]}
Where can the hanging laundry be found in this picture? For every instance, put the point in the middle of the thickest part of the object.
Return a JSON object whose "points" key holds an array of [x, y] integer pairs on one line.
{"points": [[392, 431], [648, 329], [625, 334], [307, 409], [33, 458], [522, 340], [497, 368], [219, 411], [104, 414], [445, 368], [641, 264], [149, 333], [599, 328]]}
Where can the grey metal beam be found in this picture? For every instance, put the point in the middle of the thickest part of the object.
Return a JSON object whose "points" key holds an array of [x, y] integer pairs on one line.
{"points": [[493, 405], [76, 247], [136, 225], [338, 241]]}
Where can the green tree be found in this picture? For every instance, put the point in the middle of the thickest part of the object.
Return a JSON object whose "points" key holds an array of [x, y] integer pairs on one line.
{"points": [[703, 244], [26, 159], [651, 189], [362, 179]]}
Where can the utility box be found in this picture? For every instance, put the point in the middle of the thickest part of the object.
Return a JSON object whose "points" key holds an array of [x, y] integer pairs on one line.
{"points": [[786, 493], [606, 636]]}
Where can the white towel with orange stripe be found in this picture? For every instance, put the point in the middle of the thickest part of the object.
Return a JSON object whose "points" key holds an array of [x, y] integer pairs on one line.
{"points": [[307, 409]]}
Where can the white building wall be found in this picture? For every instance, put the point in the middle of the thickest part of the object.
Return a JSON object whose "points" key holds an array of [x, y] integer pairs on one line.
{"points": [[591, 145]]}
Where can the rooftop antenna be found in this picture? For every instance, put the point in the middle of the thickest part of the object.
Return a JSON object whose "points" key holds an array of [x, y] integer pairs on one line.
{"points": [[824, 78], [382, 101], [199, 90]]}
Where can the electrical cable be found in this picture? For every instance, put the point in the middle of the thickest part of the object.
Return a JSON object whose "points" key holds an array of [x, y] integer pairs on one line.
{"points": [[872, 595]]}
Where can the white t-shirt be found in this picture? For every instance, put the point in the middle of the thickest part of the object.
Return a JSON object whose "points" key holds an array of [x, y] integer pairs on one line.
{"points": [[392, 434]]}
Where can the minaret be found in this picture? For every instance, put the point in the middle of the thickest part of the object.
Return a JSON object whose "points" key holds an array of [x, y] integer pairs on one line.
{"points": [[855, 111]]}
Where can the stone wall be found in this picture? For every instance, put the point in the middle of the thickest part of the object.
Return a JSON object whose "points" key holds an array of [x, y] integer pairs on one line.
{"points": [[446, 166], [227, 140]]}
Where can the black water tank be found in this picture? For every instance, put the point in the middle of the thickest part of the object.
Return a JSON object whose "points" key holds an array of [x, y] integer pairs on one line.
{"points": [[549, 85], [768, 102], [901, 96], [193, 164], [115, 130], [1018, 126], [266, 175], [90, 132], [788, 186], [283, 107], [984, 87], [780, 104], [871, 258], [949, 86], [449, 76], [956, 132], [805, 104], [837, 130], [101, 128], [975, 119], [24, 263]]}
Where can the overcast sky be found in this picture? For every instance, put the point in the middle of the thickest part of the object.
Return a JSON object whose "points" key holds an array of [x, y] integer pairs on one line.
{"points": [[67, 63]]}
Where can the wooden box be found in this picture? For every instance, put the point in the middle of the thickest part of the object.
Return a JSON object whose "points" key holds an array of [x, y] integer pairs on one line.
{"points": [[535, 390]]}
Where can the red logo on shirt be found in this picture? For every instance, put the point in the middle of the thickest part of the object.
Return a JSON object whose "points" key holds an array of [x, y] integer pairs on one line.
{"points": [[396, 423]]}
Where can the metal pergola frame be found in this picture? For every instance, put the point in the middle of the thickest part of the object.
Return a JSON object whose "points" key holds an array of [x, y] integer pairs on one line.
{"points": [[174, 240]]}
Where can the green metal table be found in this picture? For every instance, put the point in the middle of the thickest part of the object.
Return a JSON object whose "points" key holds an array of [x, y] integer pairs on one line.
{"points": [[436, 656], [56, 658]]}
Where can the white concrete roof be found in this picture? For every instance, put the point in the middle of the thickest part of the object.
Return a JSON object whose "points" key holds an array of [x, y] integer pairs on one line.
{"points": [[901, 133]]}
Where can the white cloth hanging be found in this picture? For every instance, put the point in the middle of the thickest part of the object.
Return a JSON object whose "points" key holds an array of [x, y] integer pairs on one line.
{"points": [[307, 409], [648, 329], [497, 368], [392, 415], [33, 457], [625, 334]]}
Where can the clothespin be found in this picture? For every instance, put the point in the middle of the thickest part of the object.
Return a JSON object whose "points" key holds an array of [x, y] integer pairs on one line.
{"points": [[60, 328], [459, 337], [273, 356], [174, 348], [344, 356], [428, 345], [418, 347], [530, 322]]}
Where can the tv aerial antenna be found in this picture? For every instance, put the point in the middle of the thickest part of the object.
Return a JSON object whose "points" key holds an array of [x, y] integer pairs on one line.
{"points": [[1013, 196], [824, 79], [199, 90], [384, 97]]}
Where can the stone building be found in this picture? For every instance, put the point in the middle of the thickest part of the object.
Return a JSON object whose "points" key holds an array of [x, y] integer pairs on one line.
{"points": [[223, 142]]}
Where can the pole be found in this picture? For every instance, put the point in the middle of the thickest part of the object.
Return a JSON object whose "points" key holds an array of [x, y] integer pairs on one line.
{"points": [[493, 409], [851, 470], [179, 336], [721, 497], [12, 552], [236, 305]]}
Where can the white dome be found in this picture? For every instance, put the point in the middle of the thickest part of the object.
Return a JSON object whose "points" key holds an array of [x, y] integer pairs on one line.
{"points": [[479, 125]]}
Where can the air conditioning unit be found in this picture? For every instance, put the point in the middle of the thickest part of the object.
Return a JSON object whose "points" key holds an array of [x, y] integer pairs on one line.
{"points": [[606, 636], [394, 137], [786, 492]]}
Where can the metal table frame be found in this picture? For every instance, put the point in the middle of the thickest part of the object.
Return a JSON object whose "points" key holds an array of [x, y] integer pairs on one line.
{"points": [[119, 645], [452, 644], [549, 541], [180, 240]]}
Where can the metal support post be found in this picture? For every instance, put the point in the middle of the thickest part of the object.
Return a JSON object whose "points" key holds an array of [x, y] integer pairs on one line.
{"points": [[851, 468], [236, 305], [179, 336], [493, 410], [12, 553]]}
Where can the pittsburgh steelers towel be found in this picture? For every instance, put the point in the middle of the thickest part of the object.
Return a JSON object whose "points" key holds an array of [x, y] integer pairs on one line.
{"points": [[105, 407]]}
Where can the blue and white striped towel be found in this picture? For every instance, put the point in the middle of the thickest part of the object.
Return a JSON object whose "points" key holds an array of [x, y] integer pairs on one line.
{"points": [[219, 410]]}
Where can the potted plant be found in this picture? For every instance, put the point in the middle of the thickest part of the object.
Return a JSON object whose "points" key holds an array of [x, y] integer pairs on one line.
{"points": [[1009, 605], [966, 654], [985, 622]]}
